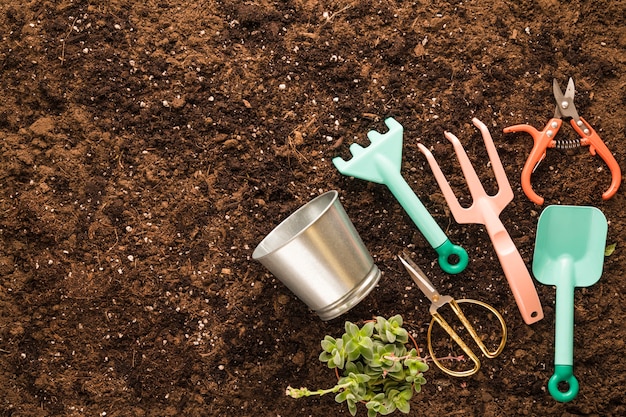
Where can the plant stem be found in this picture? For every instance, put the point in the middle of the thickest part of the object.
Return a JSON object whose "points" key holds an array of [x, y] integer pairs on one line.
{"points": [[400, 358], [305, 392]]}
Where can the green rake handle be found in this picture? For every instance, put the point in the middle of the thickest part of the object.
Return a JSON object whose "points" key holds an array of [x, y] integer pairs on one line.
{"points": [[423, 220]]}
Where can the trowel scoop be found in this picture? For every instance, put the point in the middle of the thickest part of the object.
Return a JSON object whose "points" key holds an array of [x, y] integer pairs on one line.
{"points": [[569, 253]]}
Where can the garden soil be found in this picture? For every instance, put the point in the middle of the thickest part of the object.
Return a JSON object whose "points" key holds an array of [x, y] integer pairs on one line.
{"points": [[148, 147]]}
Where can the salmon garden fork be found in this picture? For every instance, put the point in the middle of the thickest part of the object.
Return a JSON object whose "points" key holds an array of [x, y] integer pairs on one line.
{"points": [[485, 210]]}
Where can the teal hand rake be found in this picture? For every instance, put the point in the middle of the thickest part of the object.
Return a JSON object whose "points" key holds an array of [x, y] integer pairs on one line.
{"points": [[380, 162]]}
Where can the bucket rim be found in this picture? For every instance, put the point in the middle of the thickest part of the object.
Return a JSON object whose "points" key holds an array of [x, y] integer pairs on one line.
{"points": [[261, 251]]}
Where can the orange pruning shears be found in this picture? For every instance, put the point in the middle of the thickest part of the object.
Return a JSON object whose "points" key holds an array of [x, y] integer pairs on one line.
{"points": [[545, 139]]}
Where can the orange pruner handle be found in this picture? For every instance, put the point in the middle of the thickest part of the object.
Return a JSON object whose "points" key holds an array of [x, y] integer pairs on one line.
{"points": [[542, 140], [591, 138]]}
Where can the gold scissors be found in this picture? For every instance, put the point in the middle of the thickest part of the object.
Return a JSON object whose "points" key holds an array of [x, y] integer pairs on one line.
{"points": [[437, 301]]}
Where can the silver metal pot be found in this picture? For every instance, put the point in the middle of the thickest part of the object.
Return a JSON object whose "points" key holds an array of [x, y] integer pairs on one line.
{"points": [[318, 254]]}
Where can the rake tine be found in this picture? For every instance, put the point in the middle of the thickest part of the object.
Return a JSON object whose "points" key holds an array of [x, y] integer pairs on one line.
{"points": [[373, 135], [356, 149], [473, 182]]}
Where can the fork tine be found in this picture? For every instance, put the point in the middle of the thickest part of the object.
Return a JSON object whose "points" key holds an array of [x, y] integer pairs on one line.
{"points": [[473, 182], [473, 214], [505, 193], [461, 215]]}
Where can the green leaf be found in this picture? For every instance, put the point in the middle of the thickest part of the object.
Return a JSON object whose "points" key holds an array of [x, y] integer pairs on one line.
{"points": [[406, 394], [352, 408], [395, 368], [417, 384], [362, 378], [397, 320], [367, 352], [389, 349], [326, 358], [352, 367], [402, 336], [610, 249], [392, 393], [353, 356], [328, 344], [338, 359], [391, 337], [398, 373], [351, 329], [342, 396], [351, 346], [368, 329], [403, 406]]}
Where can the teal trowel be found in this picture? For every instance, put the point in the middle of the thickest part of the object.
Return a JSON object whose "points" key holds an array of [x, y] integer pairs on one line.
{"points": [[569, 253], [380, 162]]}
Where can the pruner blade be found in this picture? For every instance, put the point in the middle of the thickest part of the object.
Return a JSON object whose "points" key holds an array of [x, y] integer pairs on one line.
{"points": [[565, 108]]}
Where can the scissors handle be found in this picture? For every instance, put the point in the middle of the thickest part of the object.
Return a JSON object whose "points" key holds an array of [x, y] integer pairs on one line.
{"points": [[466, 349]]}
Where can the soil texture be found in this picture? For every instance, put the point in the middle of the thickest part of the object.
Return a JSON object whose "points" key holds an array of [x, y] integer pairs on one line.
{"points": [[146, 148]]}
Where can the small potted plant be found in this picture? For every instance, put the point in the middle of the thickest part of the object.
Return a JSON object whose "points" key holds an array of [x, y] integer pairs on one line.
{"points": [[373, 366]]}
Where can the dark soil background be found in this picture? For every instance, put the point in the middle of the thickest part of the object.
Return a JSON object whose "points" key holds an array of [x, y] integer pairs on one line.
{"points": [[147, 148]]}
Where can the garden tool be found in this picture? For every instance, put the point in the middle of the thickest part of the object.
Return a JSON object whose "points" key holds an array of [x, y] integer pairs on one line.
{"points": [[438, 301], [380, 162], [485, 210], [565, 109], [569, 253]]}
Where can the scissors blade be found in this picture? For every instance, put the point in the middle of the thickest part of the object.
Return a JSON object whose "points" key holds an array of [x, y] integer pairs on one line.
{"points": [[419, 277]]}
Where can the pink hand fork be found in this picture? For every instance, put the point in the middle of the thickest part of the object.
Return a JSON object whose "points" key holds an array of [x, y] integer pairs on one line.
{"points": [[486, 210]]}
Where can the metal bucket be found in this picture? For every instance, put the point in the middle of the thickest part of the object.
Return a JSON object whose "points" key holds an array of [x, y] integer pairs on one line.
{"points": [[318, 254]]}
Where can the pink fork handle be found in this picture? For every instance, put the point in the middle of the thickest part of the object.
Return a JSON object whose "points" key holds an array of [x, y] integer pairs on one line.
{"points": [[517, 274]]}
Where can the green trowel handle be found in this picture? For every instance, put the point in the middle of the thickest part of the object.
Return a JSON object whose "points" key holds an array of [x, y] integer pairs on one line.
{"points": [[422, 219], [563, 373], [564, 339]]}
